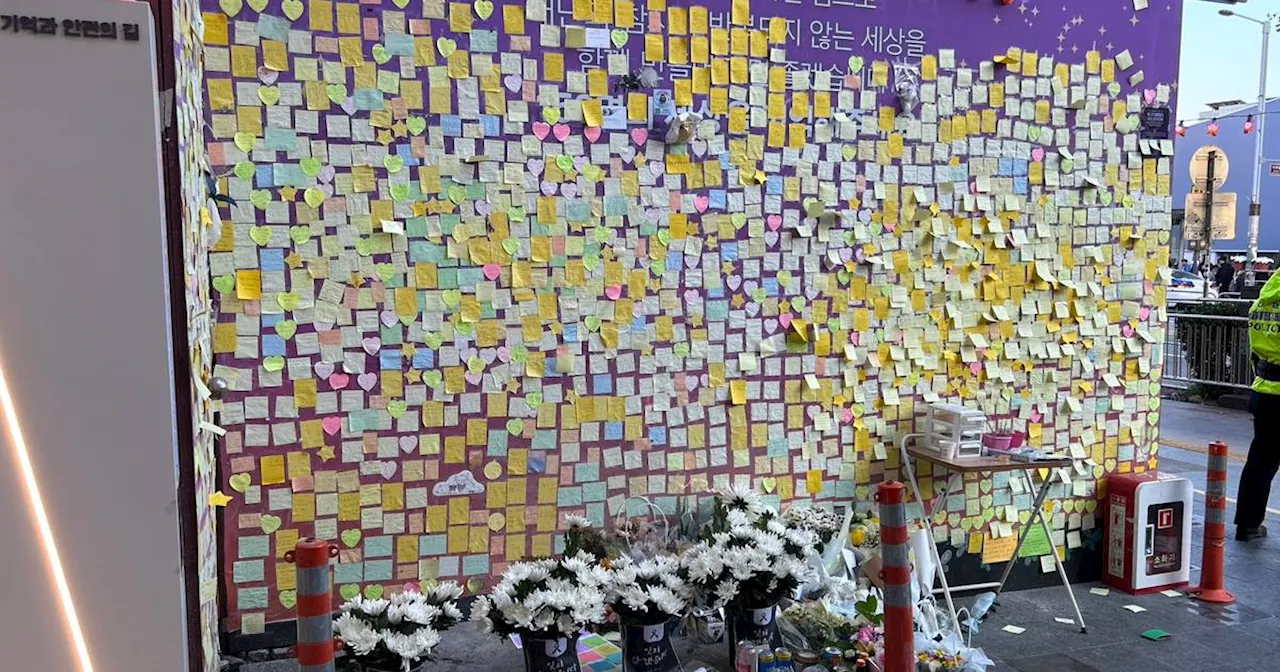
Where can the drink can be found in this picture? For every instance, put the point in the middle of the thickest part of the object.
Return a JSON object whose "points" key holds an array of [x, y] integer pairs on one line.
{"points": [[764, 661], [746, 661], [831, 656], [782, 659]]}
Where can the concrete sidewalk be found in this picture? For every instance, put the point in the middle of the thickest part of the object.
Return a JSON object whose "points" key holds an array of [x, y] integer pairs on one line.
{"points": [[1193, 426]]}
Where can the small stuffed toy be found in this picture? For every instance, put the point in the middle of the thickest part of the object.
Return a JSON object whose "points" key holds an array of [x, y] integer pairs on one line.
{"points": [[682, 128]]}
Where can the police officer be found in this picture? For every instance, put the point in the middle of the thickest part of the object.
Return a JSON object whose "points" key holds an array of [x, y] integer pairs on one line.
{"points": [[1264, 452]]}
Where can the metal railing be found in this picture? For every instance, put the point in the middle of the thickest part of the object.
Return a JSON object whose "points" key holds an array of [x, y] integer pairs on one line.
{"points": [[1209, 349]]}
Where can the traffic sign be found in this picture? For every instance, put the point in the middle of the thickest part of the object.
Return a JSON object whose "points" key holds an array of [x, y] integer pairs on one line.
{"points": [[1200, 167], [1224, 215]]}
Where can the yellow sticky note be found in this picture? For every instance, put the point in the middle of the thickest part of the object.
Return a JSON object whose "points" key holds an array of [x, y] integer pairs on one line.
{"points": [[738, 391], [273, 469], [592, 113], [249, 285]]}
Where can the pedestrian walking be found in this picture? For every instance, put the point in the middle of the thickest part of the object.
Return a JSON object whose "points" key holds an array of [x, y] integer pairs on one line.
{"points": [[1264, 453]]}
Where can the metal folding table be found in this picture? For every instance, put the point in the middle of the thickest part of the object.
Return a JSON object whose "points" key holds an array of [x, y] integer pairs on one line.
{"points": [[986, 465]]}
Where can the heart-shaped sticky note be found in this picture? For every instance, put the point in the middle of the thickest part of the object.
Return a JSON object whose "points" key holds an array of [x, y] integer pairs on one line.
{"points": [[397, 407], [457, 194], [364, 247], [244, 170], [288, 598], [300, 234], [240, 482], [231, 7], [484, 8], [292, 9], [224, 283], [855, 64], [245, 142], [385, 271], [257, 5], [313, 196], [380, 54], [336, 92], [374, 592], [551, 114], [393, 163], [288, 300], [260, 198], [260, 234], [619, 38], [515, 426], [273, 363], [446, 46], [451, 297], [349, 591], [592, 322], [432, 378], [400, 3], [270, 523], [269, 95], [399, 192], [783, 277], [310, 166], [351, 537], [416, 125], [564, 162], [286, 329]]}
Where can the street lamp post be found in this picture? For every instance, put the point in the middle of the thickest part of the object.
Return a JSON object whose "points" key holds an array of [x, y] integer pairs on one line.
{"points": [[1255, 202]]}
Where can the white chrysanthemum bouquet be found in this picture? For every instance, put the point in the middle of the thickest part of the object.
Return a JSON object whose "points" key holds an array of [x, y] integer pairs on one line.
{"points": [[648, 591], [544, 599], [396, 633], [751, 557]]}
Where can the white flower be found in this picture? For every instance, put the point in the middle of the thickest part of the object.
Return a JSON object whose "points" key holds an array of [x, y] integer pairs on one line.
{"points": [[574, 522], [745, 500], [357, 634]]}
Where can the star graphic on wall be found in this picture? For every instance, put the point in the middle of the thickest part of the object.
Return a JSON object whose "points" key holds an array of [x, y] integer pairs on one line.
{"points": [[996, 19], [1111, 47], [1134, 20], [1102, 30], [1022, 9], [1074, 49]]}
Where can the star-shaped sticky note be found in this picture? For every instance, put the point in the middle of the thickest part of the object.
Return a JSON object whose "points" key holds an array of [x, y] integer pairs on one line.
{"points": [[384, 136], [726, 267], [325, 453], [399, 129], [413, 375], [695, 319], [513, 386], [218, 499], [357, 280], [409, 350], [571, 397], [419, 208], [294, 260], [737, 301], [288, 193]]}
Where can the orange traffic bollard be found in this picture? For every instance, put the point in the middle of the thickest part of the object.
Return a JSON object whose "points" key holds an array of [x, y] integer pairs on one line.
{"points": [[316, 645], [899, 628], [1212, 586]]}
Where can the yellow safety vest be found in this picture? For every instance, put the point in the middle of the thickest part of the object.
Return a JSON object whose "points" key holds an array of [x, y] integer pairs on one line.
{"points": [[1264, 331]]}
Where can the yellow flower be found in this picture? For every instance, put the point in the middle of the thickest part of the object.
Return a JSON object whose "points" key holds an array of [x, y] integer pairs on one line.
{"points": [[857, 536]]}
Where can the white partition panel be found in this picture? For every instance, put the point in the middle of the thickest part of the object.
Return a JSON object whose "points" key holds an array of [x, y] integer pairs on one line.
{"points": [[84, 345]]}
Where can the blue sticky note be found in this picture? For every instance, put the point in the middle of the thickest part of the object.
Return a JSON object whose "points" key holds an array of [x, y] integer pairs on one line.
{"points": [[1005, 167], [602, 383], [1019, 185], [491, 124], [498, 441], [570, 333], [377, 547], [290, 175], [257, 546], [570, 496], [424, 358], [475, 565], [718, 199], [729, 251], [675, 260], [433, 544], [615, 206], [484, 41], [368, 99], [773, 184], [594, 492], [247, 571], [389, 359], [770, 286], [348, 572], [658, 435], [406, 152], [280, 139], [272, 345], [273, 28], [717, 311], [263, 176], [544, 439], [271, 259], [585, 472], [537, 464], [577, 210], [955, 502], [777, 447], [251, 599], [451, 125], [613, 431], [398, 44], [378, 570]]}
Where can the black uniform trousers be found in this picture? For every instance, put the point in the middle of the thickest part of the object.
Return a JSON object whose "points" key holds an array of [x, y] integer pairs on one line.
{"points": [[1263, 462]]}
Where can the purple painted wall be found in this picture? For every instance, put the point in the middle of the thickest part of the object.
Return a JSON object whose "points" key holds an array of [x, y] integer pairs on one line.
{"points": [[442, 270]]}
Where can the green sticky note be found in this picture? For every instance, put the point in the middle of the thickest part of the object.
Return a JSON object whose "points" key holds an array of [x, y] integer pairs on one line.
{"points": [[1036, 544], [1156, 634]]}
